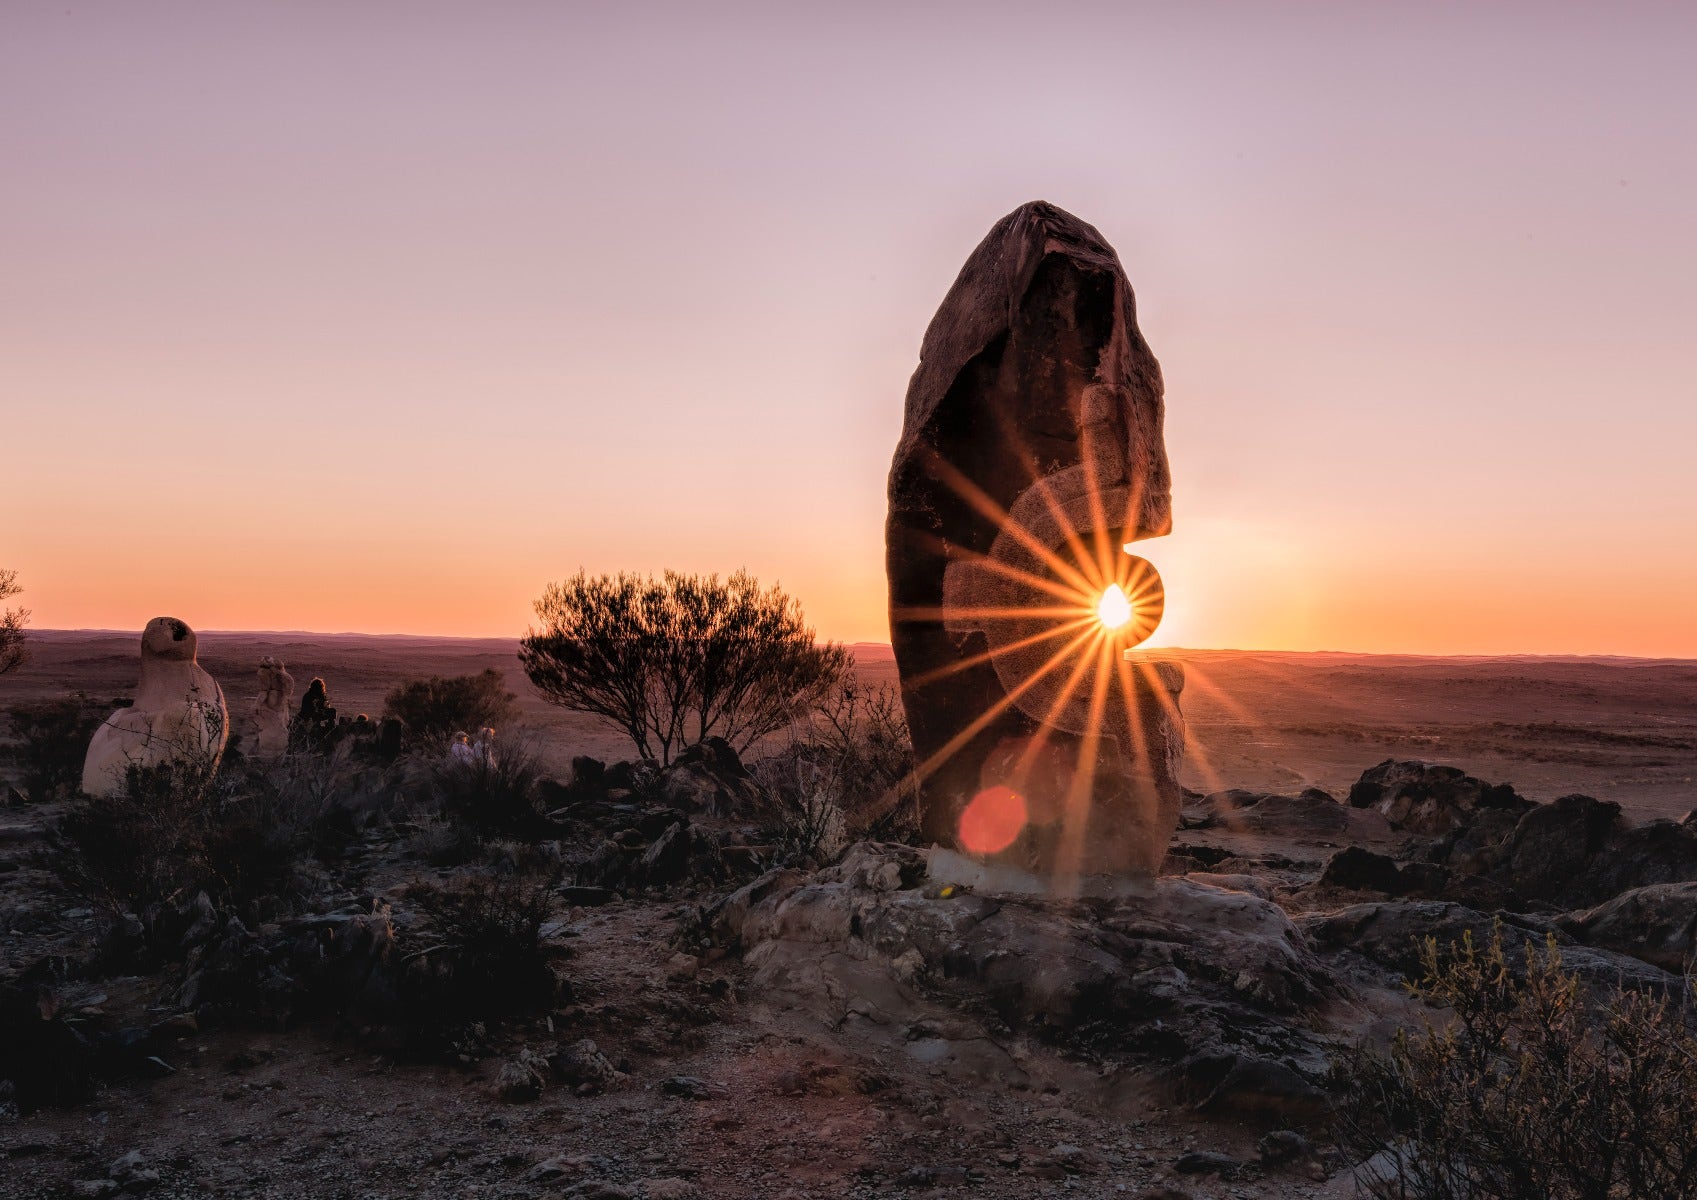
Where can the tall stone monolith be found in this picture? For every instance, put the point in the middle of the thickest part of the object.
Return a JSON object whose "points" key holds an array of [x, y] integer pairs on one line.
{"points": [[1031, 453]]}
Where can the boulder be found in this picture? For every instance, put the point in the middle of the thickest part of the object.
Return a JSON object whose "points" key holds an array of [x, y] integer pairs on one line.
{"points": [[1637, 856], [1357, 869], [522, 1078], [179, 715], [1031, 451], [1428, 799], [1656, 924], [709, 777], [667, 858], [581, 1065], [1389, 934], [1553, 844], [1579, 851], [1165, 969]]}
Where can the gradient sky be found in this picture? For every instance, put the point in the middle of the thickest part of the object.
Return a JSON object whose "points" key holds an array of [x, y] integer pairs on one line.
{"points": [[379, 316]]}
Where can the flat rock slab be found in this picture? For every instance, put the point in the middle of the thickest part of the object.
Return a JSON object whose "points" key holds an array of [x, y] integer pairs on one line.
{"points": [[1203, 982]]}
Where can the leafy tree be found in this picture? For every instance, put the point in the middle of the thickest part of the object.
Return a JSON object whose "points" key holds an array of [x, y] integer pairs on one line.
{"points": [[12, 622], [434, 709], [675, 660]]}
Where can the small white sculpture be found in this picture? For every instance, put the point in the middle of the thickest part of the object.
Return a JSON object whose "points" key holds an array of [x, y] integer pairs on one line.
{"points": [[271, 709], [179, 714]]}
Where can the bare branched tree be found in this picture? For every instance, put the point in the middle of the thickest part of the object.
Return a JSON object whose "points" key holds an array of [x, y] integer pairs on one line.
{"points": [[12, 622], [676, 660]]}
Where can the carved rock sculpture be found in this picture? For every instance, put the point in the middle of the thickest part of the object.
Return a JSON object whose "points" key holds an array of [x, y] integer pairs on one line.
{"points": [[271, 708], [1031, 452], [178, 716]]}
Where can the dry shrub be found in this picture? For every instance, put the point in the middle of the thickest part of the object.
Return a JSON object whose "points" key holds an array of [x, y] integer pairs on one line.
{"points": [[180, 828], [13, 647], [442, 841], [676, 660], [485, 947], [1533, 1089], [494, 795], [845, 774], [434, 709], [52, 739]]}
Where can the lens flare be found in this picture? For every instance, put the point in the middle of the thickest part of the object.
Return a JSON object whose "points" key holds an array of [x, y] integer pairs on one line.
{"points": [[992, 821], [1114, 609]]}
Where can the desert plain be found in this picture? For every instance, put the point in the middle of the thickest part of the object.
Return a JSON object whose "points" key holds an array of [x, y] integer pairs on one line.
{"points": [[701, 1081], [1621, 729]]}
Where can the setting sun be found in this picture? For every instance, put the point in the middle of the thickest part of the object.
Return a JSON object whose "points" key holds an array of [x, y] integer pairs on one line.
{"points": [[1113, 610]]}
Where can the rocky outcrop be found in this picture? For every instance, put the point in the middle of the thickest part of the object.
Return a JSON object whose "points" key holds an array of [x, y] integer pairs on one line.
{"points": [[1312, 814], [710, 778], [1430, 800], [1357, 869], [1573, 852], [661, 847], [1388, 934], [1216, 986], [1031, 452], [1579, 851], [1656, 924]]}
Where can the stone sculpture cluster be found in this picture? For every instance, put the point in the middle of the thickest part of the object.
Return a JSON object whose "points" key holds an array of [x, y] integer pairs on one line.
{"points": [[1031, 451], [179, 714]]}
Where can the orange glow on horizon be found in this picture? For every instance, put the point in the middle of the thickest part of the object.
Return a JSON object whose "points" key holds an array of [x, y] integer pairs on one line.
{"points": [[308, 329]]}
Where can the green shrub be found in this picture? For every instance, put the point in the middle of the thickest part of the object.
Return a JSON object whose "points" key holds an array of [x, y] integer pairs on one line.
{"points": [[434, 709], [1531, 1090]]}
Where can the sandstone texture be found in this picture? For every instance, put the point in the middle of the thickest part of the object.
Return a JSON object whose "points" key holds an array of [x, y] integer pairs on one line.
{"points": [[1031, 453], [1215, 988], [271, 709], [179, 713]]}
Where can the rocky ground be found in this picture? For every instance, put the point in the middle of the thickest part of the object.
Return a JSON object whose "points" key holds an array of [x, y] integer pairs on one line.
{"points": [[731, 1018]]}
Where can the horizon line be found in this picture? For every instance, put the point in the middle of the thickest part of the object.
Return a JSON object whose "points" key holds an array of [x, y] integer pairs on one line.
{"points": [[457, 637]]}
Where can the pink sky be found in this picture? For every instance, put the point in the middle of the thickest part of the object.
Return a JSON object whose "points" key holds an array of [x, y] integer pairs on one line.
{"points": [[380, 316]]}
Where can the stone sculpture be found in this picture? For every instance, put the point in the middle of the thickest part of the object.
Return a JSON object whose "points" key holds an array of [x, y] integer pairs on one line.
{"points": [[1031, 453], [179, 715], [271, 709]]}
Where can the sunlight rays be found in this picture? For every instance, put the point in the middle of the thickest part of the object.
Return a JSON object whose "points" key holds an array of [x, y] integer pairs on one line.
{"points": [[925, 769], [1059, 603], [984, 656]]}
